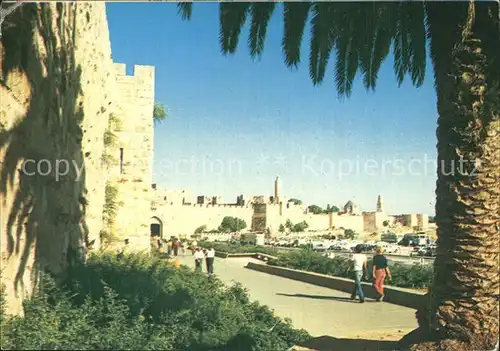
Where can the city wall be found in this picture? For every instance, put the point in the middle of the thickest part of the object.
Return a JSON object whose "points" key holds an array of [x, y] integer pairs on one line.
{"points": [[56, 105], [185, 219], [62, 109], [132, 174], [375, 220], [355, 223]]}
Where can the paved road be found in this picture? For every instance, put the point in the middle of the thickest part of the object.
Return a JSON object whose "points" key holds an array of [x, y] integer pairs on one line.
{"points": [[320, 311]]}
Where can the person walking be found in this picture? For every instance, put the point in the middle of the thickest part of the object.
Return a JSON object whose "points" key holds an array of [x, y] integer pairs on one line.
{"points": [[198, 258], [176, 244], [169, 247], [359, 267], [379, 271], [209, 259]]}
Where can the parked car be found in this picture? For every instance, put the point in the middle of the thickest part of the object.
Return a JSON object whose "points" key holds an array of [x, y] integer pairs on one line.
{"points": [[321, 247], [364, 248], [427, 251]]}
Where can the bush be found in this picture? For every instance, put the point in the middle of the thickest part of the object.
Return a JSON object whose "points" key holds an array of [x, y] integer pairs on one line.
{"points": [[403, 276], [238, 248], [139, 302]]}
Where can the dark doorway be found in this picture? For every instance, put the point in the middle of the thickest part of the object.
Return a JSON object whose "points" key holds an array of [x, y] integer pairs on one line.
{"points": [[155, 229]]}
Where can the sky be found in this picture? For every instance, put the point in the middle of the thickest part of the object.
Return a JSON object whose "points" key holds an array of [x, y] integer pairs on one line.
{"points": [[235, 123]]}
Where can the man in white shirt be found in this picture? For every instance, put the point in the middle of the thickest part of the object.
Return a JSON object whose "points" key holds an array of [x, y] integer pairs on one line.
{"points": [[198, 258], [359, 263], [209, 259]]}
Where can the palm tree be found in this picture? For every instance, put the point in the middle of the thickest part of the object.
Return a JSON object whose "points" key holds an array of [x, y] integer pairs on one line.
{"points": [[464, 41]]}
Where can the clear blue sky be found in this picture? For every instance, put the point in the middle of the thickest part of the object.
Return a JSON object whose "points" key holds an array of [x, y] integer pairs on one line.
{"points": [[235, 124]]}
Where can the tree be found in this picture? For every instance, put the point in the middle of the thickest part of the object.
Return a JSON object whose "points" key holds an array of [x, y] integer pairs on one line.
{"points": [[300, 227], [201, 229], [315, 209], [232, 224], [159, 113], [288, 224], [295, 201], [281, 228], [385, 223], [464, 46], [330, 209], [349, 234]]}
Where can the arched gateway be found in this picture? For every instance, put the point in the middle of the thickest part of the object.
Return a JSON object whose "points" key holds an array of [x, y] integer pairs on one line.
{"points": [[156, 227]]}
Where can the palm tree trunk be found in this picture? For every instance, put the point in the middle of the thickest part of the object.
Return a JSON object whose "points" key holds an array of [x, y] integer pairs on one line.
{"points": [[463, 310]]}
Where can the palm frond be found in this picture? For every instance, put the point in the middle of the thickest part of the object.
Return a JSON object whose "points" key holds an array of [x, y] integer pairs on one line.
{"points": [[185, 9], [384, 32], [346, 64], [261, 13], [232, 18], [417, 36], [295, 18], [323, 34], [401, 49], [368, 47]]}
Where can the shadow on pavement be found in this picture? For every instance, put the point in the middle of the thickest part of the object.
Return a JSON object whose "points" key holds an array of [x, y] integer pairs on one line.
{"points": [[324, 297], [328, 343]]}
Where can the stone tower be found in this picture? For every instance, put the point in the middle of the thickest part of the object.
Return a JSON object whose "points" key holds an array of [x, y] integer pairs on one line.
{"points": [[277, 186], [380, 204]]}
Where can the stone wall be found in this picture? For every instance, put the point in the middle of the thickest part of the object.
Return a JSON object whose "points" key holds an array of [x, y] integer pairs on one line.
{"points": [[66, 84], [374, 221], [422, 220], [61, 90], [132, 174], [355, 223], [178, 219], [407, 220]]}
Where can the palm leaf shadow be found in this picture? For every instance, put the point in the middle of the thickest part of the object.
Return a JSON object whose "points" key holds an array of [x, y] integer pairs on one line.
{"points": [[47, 212]]}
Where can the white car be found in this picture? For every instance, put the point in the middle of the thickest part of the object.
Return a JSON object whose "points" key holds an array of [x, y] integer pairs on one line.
{"points": [[392, 249]]}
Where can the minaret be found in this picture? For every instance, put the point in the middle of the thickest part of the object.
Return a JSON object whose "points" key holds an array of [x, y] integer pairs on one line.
{"points": [[380, 204], [277, 189]]}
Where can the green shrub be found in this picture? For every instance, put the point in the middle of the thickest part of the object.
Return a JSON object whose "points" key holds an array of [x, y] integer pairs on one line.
{"points": [[416, 276], [237, 248], [403, 276], [52, 322], [139, 302]]}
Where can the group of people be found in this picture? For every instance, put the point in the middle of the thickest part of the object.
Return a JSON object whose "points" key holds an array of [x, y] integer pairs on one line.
{"points": [[206, 254], [380, 270], [171, 247], [175, 247]]}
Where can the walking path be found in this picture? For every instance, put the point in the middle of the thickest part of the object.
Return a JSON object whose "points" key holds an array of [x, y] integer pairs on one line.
{"points": [[319, 310]]}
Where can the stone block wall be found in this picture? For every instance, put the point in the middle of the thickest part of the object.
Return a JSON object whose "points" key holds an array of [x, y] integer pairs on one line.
{"points": [[65, 95], [318, 222], [179, 219], [422, 220], [56, 108], [355, 223], [407, 220], [132, 172]]}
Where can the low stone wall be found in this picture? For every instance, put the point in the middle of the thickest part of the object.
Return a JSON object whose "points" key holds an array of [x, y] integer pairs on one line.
{"points": [[221, 254], [398, 296]]}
